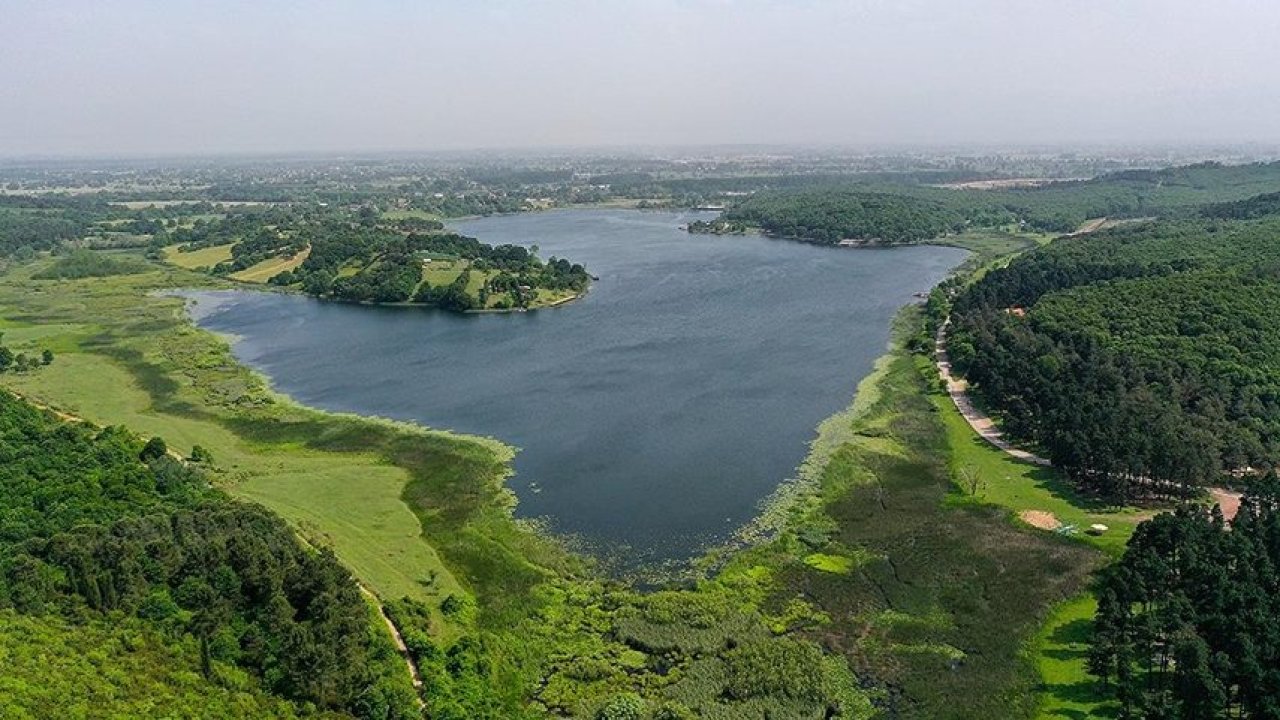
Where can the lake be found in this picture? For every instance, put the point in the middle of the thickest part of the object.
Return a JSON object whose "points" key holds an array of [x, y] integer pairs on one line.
{"points": [[654, 414]]}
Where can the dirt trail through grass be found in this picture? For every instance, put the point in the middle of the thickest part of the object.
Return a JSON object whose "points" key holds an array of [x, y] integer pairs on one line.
{"points": [[981, 423]]}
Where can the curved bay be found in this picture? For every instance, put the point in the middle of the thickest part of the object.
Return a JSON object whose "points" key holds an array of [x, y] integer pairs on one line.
{"points": [[656, 412]]}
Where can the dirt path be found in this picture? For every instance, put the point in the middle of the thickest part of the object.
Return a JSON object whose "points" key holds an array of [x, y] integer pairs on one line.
{"points": [[957, 388], [1089, 226], [980, 422], [396, 637]]}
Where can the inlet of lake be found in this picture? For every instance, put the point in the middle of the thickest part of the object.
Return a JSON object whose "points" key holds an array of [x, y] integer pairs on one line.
{"points": [[653, 415]]}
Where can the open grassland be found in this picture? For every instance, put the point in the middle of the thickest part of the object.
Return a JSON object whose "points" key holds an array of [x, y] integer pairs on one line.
{"points": [[211, 256], [204, 257], [985, 474], [442, 271], [270, 267]]}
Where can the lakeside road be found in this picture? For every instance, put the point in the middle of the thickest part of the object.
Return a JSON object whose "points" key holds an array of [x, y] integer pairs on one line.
{"points": [[981, 423]]}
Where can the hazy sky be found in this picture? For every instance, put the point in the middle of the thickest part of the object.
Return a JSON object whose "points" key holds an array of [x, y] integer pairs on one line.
{"points": [[170, 76]]}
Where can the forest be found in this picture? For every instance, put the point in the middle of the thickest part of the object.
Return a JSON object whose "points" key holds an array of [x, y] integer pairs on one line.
{"points": [[897, 212], [32, 224], [1141, 359], [1185, 627], [364, 255], [372, 265], [97, 525]]}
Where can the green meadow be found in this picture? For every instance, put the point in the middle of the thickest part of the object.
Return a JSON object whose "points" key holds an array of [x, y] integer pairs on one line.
{"points": [[126, 356]]}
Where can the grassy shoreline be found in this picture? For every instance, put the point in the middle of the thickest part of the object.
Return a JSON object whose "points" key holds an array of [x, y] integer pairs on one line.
{"points": [[128, 357], [426, 515]]}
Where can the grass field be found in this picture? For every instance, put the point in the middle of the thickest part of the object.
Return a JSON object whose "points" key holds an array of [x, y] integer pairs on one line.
{"points": [[1062, 646], [270, 267], [204, 257], [443, 272], [211, 256], [1020, 486], [124, 357]]}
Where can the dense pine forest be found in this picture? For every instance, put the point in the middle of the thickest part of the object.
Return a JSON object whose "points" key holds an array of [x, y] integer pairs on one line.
{"points": [[1141, 359], [1186, 623], [98, 528]]}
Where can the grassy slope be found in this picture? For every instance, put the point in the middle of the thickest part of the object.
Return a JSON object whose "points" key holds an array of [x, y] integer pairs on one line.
{"points": [[204, 257], [270, 267], [125, 357]]}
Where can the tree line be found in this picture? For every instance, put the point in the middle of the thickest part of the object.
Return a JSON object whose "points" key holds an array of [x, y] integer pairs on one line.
{"points": [[1185, 627], [96, 523], [1142, 360], [903, 212]]}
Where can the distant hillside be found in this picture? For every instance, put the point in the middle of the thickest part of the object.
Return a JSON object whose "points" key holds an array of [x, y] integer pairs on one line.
{"points": [[911, 213]]}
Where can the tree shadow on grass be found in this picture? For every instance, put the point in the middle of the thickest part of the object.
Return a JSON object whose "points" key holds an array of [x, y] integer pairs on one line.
{"points": [[1073, 639], [1082, 692], [1051, 481]]}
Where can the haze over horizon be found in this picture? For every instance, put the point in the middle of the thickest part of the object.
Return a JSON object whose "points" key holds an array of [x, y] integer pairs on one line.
{"points": [[148, 77]]}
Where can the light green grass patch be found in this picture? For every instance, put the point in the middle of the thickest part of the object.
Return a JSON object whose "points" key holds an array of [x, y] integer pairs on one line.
{"points": [[837, 564], [1061, 650], [443, 272], [348, 501], [204, 257], [58, 337], [270, 267]]}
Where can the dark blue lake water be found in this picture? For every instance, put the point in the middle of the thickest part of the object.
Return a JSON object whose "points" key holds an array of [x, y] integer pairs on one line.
{"points": [[655, 413]]}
